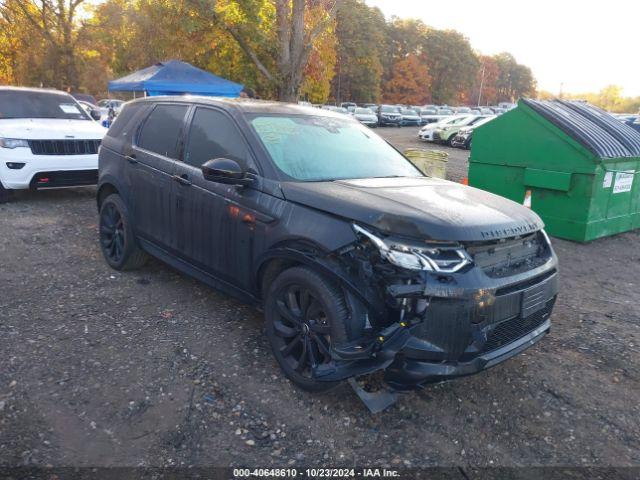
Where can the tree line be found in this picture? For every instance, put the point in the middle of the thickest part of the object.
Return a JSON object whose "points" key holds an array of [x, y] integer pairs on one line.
{"points": [[317, 50]]}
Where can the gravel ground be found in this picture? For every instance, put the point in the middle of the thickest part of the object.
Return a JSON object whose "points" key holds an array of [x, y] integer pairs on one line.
{"points": [[152, 368]]}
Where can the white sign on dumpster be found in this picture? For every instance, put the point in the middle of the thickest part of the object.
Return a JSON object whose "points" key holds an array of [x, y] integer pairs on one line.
{"points": [[624, 182]]}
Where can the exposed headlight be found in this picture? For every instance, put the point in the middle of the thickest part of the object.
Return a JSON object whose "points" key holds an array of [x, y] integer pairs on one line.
{"points": [[13, 143], [433, 258]]}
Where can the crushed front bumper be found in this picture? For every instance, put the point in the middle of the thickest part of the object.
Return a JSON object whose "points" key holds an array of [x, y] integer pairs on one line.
{"points": [[464, 329]]}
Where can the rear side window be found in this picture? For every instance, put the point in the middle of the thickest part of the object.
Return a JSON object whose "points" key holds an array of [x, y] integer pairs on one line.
{"points": [[122, 126], [160, 132], [214, 135]]}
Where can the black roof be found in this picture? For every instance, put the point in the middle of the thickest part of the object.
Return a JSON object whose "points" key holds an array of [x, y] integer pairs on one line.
{"points": [[597, 130], [246, 105]]}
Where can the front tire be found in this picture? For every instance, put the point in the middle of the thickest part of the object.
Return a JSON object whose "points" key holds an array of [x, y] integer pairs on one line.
{"points": [[117, 240], [305, 314]]}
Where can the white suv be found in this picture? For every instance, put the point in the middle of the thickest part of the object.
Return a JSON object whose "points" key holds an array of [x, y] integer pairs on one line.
{"points": [[47, 140]]}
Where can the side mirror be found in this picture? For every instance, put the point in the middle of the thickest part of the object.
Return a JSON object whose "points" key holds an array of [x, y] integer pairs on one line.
{"points": [[95, 114], [224, 170]]}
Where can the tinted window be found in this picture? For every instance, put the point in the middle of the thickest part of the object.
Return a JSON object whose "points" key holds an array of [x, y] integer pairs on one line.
{"points": [[34, 104], [161, 130], [122, 126], [214, 135]]}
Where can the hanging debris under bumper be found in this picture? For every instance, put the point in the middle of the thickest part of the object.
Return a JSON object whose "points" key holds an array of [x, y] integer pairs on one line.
{"points": [[454, 322]]}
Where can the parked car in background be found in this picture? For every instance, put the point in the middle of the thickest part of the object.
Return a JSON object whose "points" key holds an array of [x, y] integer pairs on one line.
{"points": [[333, 108], [463, 138], [47, 140], [85, 97], [389, 115], [366, 116], [427, 115], [426, 132], [372, 106], [111, 104], [497, 110], [440, 114], [446, 133], [410, 117], [461, 110], [347, 105], [94, 111], [359, 262]]}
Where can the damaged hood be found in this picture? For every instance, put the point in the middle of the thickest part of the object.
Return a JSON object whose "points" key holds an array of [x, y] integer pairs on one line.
{"points": [[423, 207]]}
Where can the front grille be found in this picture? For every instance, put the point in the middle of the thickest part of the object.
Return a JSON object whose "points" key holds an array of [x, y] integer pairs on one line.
{"points": [[505, 257], [511, 330], [64, 147]]}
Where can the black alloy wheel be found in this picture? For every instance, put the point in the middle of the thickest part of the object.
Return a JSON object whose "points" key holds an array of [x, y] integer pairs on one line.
{"points": [[305, 315], [117, 239], [112, 233], [303, 330]]}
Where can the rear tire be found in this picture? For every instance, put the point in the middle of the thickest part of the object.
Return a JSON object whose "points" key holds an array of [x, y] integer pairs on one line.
{"points": [[305, 314], [117, 240]]}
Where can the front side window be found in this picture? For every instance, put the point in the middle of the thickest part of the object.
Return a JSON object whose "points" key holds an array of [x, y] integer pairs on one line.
{"points": [[161, 130], [316, 148], [214, 135], [34, 104]]}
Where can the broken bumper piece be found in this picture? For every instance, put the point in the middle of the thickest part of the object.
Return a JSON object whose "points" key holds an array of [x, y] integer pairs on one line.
{"points": [[462, 331]]}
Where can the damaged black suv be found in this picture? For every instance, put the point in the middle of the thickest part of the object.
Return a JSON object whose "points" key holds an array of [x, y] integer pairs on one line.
{"points": [[359, 261]]}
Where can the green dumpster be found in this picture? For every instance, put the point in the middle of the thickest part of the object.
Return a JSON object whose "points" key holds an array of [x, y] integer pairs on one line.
{"points": [[578, 166]]}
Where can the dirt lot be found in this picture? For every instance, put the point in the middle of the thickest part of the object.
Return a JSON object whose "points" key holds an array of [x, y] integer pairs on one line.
{"points": [[152, 368]]}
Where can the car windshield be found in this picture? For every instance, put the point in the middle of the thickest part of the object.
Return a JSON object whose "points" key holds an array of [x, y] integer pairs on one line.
{"points": [[428, 111], [477, 120], [454, 120], [363, 111], [406, 111], [317, 148], [388, 109], [482, 121], [32, 104], [445, 111]]}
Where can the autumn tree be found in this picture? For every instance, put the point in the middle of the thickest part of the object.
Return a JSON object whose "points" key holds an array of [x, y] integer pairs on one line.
{"points": [[282, 61], [361, 40], [452, 64], [484, 90], [55, 23], [515, 80], [409, 83]]}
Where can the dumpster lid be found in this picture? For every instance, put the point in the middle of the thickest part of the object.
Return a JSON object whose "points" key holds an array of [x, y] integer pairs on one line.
{"points": [[598, 131]]}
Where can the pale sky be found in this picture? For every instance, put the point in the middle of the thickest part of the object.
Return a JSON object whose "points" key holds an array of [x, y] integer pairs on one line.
{"points": [[585, 45]]}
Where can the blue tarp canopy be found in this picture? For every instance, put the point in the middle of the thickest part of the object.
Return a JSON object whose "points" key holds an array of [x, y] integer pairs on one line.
{"points": [[175, 78]]}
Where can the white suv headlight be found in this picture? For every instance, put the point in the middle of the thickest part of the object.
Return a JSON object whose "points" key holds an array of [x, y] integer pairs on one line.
{"points": [[13, 143], [433, 258]]}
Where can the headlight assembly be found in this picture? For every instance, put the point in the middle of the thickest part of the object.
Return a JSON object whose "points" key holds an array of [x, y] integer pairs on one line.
{"points": [[13, 143], [433, 258]]}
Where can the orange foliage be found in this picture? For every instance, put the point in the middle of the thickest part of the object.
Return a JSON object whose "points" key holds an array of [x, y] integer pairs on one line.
{"points": [[410, 83]]}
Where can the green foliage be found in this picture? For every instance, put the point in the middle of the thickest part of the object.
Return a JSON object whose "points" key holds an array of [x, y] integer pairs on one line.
{"points": [[609, 98], [359, 56], [361, 38], [514, 80]]}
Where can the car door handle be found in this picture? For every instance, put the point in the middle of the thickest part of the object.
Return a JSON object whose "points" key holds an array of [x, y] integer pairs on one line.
{"points": [[132, 159], [182, 180]]}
